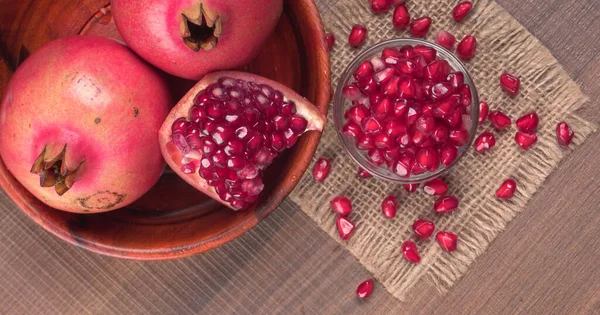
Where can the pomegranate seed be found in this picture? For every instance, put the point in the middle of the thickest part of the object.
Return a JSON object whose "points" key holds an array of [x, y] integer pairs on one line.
{"points": [[364, 289], [401, 17], [467, 47], [507, 189], [429, 53], [389, 206], [525, 139], [425, 124], [352, 92], [351, 130], [435, 187], [420, 27], [410, 252], [461, 10], [484, 109], [445, 39], [357, 35], [440, 134], [448, 154], [357, 113], [345, 227], [411, 187], [371, 125], [528, 122], [447, 241], [564, 134], [459, 137], [394, 128], [364, 142], [510, 84], [465, 93], [423, 228], [499, 120], [376, 157], [341, 205], [403, 166], [428, 159], [364, 70], [363, 173], [456, 79], [330, 38], [484, 142], [321, 170], [383, 141], [380, 6], [445, 204]]}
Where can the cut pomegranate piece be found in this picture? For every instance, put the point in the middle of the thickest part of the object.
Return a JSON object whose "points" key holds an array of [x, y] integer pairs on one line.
{"points": [[423, 228], [461, 10], [435, 187], [445, 39], [410, 187], [357, 35], [510, 84], [467, 47], [238, 136], [321, 169], [507, 189], [484, 110], [445, 204], [499, 120], [389, 206], [341, 205], [364, 289], [420, 27], [345, 227], [484, 142], [528, 122], [401, 17], [363, 173], [410, 252], [448, 154], [380, 6], [525, 139], [447, 241], [330, 38], [564, 134]]}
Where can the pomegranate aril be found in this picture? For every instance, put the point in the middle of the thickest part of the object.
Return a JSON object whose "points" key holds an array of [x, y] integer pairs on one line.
{"points": [[447, 241], [287, 109], [352, 92], [382, 109], [357, 35], [376, 156], [389, 206], [278, 142], [510, 84], [423, 228], [370, 125], [341, 205], [445, 204], [236, 163], [413, 114], [364, 142], [180, 126], [401, 17], [364, 289], [428, 53], [188, 168], [459, 137], [437, 70], [380, 6], [499, 120], [281, 123], [467, 47], [394, 128], [357, 113], [440, 134], [330, 38], [435, 187], [428, 159], [564, 134], [484, 110], [507, 189], [290, 138], [461, 10], [441, 90], [384, 75], [410, 187], [390, 88], [298, 124], [345, 227], [528, 122], [410, 252], [351, 130], [363, 173], [425, 124], [321, 169], [403, 166], [383, 141], [445, 39], [420, 27], [364, 70], [525, 140], [485, 141]]}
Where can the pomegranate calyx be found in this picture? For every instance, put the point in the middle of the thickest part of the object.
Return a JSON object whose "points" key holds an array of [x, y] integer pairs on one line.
{"points": [[54, 172], [200, 28]]}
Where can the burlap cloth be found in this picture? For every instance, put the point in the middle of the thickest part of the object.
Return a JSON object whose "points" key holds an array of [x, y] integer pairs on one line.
{"points": [[503, 44]]}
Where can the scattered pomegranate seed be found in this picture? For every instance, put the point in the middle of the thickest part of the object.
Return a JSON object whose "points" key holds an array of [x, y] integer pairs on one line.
{"points": [[445, 204], [389, 206], [445, 39], [321, 170], [564, 134], [420, 27], [341, 205], [363, 173], [435, 187], [461, 10], [484, 142], [507, 189], [345, 227], [401, 17], [525, 139], [484, 110], [447, 241], [410, 252], [330, 38], [364, 289], [423, 228], [467, 47], [528, 122], [357, 35], [499, 120], [380, 6], [510, 84], [410, 187]]}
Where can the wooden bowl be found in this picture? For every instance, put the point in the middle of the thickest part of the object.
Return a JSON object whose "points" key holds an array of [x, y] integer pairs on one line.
{"points": [[173, 219]]}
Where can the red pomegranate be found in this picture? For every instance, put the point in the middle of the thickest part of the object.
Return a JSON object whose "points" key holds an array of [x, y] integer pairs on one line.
{"points": [[228, 128], [189, 38], [79, 122]]}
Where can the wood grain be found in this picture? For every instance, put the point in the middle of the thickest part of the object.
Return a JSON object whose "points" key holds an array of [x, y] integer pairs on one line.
{"points": [[546, 262]]}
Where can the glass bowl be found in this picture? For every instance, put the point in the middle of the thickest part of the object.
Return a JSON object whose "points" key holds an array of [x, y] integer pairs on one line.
{"points": [[341, 105]]}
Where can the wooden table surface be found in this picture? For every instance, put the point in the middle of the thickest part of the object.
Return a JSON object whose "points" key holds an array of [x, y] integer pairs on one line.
{"points": [[546, 262]]}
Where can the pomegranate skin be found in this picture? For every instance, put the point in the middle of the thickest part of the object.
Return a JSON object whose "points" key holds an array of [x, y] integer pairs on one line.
{"points": [[104, 103], [153, 29]]}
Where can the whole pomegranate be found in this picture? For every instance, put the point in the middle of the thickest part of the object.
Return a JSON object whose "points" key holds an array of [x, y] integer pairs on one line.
{"points": [[189, 38], [227, 129], [79, 123]]}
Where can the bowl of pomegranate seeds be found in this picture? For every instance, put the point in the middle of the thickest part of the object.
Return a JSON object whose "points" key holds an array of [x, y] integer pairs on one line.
{"points": [[406, 110]]}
